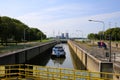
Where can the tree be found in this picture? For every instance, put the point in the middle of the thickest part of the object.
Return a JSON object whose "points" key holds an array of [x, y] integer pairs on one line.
{"points": [[113, 32], [91, 36], [5, 34], [13, 29]]}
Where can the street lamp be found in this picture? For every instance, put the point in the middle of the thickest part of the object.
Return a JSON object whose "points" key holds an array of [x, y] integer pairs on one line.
{"points": [[81, 32], [41, 37], [24, 35], [103, 26], [103, 36]]}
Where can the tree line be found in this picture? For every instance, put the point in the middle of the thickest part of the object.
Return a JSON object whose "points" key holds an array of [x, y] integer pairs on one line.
{"points": [[14, 30], [111, 33]]}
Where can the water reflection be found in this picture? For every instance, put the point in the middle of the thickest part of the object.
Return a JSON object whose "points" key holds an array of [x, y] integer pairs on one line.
{"points": [[62, 62], [58, 61]]}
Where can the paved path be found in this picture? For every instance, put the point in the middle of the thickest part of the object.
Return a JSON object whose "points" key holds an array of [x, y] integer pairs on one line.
{"points": [[100, 53]]}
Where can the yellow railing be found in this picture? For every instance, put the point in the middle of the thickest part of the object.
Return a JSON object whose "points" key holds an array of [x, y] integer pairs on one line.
{"points": [[25, 71]]}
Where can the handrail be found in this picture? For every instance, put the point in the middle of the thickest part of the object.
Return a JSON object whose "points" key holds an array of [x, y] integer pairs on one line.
{"points": [[22, 71]]}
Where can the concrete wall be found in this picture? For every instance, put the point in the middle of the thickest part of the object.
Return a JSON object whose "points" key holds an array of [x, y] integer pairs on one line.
{"points": [[90, 62], [21, 56], [117, 71]]}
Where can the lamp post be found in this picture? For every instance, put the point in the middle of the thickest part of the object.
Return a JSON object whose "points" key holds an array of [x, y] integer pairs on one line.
{"points": [[110, 47], [24, 36], [41, 37], [81, 32], [103, 37], [103, 26], [71, 35]]}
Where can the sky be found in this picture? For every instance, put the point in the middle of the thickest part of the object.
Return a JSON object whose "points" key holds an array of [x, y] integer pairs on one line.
{"points": [[54, 17]]}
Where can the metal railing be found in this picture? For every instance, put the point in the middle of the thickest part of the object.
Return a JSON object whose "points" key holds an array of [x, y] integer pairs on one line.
{"points": [[26, 71]]}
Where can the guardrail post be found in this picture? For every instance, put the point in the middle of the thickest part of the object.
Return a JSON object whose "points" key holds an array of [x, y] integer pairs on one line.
{"points": [[47, 73], [60, 73], [74, 75]]}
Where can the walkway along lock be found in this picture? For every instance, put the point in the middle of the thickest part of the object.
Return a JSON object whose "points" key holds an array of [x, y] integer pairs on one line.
{"points": [[90, 62]]}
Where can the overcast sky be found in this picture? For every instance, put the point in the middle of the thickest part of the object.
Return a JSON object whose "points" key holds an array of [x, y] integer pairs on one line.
{"points": [[54, 17]]}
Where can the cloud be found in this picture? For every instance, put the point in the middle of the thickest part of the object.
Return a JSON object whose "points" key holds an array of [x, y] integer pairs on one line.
{"points": [[57, 12], [49, 23], [106, 15], [84, 19]]}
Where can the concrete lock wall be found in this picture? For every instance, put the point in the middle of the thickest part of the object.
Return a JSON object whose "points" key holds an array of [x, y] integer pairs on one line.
{"points": [[90, 62], [21, 56]]}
